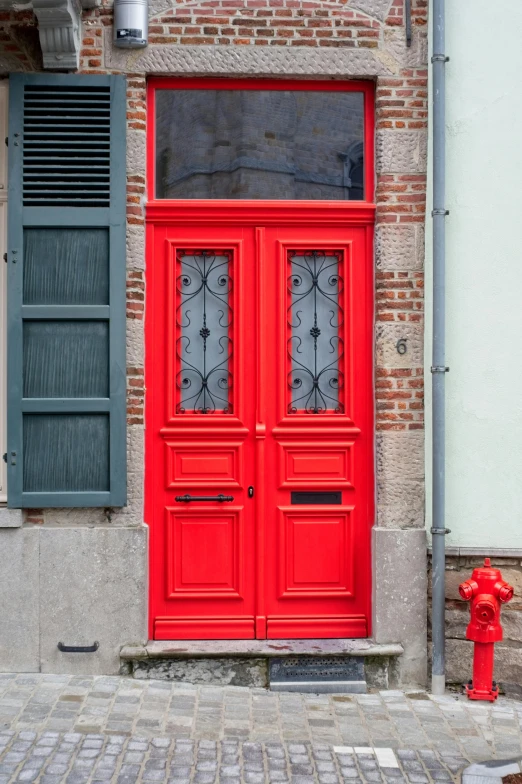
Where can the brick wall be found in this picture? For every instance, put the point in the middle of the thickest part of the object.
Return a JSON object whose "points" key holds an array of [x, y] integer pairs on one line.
{"points": [[265, 23], [19, 44]]}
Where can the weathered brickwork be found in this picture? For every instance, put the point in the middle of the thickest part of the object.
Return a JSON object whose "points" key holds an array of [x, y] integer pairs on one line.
{"points": [[459, 651], [399, 398], [34, 516], [19, 47], [135, 395], [396, 13], [265, 26], [136, 184]]}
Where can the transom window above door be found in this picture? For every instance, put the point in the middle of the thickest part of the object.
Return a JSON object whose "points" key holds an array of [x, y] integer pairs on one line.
{"points": [[215, 139]]}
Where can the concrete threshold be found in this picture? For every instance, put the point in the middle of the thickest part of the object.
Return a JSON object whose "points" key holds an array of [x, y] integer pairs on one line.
{"points": [[184, 649]]}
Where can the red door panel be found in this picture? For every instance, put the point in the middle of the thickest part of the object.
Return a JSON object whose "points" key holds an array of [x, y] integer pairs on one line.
{"points": [[319, 432], [259, 389], [201, 444]]}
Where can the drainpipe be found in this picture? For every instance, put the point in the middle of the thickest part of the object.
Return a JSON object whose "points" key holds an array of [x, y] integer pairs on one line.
{"points": [[439, 369]]}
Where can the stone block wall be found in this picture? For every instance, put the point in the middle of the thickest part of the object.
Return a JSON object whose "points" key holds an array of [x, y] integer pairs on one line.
{"points": [[459, 651], [295, 39], [76, 585]]}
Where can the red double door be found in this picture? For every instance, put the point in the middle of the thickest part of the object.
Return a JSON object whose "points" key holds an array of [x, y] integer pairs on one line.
{"points": [[259, 466]]}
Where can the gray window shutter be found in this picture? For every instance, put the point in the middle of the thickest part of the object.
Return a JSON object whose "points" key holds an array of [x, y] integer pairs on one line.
{"points": [[66, 291]]}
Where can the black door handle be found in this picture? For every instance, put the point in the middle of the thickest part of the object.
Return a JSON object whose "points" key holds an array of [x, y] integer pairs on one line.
{"points": [[220, 498], [78, 648]]}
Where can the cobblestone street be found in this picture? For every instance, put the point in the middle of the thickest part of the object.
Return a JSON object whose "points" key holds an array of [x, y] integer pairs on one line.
{"points": [[108, 729]]}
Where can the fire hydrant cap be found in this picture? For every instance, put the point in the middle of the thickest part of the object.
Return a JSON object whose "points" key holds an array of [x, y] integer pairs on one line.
{"points": [[467, 589], [505, 593], [485, 609]]}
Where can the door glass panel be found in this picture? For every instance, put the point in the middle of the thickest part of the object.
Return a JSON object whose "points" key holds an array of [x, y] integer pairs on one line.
{"points": [[315, 319], [204, 323], [259, 144]]}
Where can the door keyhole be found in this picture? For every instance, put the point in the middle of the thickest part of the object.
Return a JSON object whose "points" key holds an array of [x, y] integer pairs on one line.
{"points": [[250, 492]]}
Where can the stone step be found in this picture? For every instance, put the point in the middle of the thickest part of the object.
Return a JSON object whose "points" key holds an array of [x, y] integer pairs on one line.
{"points": [[342, 666]]}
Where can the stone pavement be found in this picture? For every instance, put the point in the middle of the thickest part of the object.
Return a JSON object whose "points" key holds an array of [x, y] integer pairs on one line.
{"points": [[85, 729]]}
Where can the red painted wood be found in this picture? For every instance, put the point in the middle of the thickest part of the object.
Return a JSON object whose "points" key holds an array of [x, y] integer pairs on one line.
{"points": [[202, 554], [259, 566], [317, 576], [210, 628], [311, 628]]}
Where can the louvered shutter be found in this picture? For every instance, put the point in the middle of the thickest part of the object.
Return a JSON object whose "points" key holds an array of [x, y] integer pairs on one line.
{"points": [[66, 291]]}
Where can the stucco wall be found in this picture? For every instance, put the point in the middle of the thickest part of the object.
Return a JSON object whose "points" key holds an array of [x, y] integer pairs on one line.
{"points": [[484, 275]]}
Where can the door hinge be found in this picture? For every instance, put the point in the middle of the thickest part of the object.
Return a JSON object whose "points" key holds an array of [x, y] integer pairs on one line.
{"points": [[7, 141], [4, 457], [5, 257]]}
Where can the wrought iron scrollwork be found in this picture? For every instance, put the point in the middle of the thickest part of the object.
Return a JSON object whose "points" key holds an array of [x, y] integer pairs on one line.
{"points": [[204, 319], [315, 347]]}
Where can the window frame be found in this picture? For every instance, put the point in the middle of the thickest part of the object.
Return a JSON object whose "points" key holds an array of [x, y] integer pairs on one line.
{"points": [[174, 83]]}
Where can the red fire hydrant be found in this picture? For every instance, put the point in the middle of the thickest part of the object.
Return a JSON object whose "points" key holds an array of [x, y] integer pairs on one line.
{"points": [[487, 591]]}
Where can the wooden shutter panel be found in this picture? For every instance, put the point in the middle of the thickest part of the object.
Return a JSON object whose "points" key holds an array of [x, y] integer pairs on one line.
{"points": [[66, 291]]}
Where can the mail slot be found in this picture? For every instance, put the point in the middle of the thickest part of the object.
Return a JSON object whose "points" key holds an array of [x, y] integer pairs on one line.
{"points": [[317, 498]]}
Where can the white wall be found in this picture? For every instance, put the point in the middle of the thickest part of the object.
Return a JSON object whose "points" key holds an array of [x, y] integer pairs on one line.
{"points": [[484, 276]]}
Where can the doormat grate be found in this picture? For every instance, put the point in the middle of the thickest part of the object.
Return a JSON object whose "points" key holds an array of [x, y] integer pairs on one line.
{"points": [[320, 674]]}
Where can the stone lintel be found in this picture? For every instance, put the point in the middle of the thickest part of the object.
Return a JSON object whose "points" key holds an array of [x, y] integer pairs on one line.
{"points": [[290, 62]]}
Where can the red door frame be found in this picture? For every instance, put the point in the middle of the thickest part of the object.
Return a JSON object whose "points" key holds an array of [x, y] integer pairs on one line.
{"points": [[165, 83], [327, 213]]}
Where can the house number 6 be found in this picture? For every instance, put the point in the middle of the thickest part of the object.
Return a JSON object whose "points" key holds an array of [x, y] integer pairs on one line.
{"points": [[401, 346]]}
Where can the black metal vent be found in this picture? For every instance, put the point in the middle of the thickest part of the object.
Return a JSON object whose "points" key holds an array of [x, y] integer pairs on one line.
{"points": [[66, 146], [316, 497]]}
